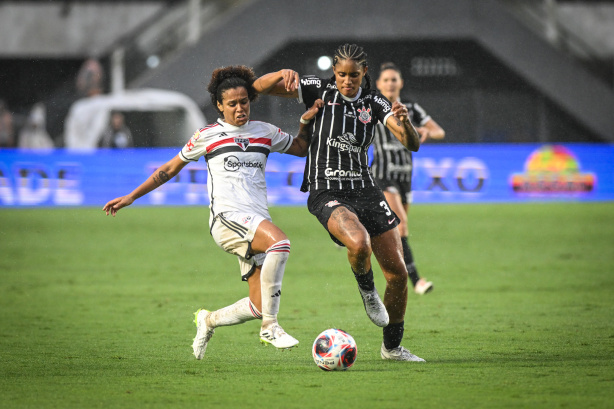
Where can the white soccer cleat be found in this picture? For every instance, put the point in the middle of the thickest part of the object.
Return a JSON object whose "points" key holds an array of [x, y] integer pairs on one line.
{"points": [[203, 333], [376, 311], [276, 336], [399, 354], [422, 287]]}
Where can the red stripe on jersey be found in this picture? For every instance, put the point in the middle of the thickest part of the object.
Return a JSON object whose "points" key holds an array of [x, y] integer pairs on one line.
{"points": [[262, 141], [218, 143], [209, 127]]}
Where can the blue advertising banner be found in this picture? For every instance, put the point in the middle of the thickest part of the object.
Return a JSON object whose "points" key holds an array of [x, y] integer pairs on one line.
{"points": [[442, 173]]}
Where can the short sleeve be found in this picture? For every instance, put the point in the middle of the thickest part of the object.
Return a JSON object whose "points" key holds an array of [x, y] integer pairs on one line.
{"points": [[310, 89], [194, 149], [382, 108], [419, 116], [280, 140]]}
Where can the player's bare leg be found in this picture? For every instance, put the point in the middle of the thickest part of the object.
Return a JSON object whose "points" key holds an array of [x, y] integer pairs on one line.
{"points": [[271, 240], [345, 226], [388, 251], [420, 285]]}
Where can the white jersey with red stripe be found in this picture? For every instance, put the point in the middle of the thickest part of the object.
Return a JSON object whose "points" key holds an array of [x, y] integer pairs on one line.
{"points": [[236, 161]]}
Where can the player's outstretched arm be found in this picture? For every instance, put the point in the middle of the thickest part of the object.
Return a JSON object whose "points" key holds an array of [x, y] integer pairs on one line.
{"points": [[162, 175], [401, 127], [282, 83], [300, 144]]}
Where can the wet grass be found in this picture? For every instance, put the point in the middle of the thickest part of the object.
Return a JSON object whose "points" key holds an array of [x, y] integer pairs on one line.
{"points": [[97, 312]]}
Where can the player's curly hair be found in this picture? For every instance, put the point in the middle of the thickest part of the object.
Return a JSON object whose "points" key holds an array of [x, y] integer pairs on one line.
{"points": [[355, 53], [389, 66], [226, 78]]}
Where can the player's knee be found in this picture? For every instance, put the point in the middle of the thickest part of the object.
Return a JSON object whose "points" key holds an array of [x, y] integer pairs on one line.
{"points": [[395, 273], [360, 247]]}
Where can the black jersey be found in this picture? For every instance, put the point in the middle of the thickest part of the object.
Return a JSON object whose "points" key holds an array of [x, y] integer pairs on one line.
{"points": [[342, 133], [392, 160]]}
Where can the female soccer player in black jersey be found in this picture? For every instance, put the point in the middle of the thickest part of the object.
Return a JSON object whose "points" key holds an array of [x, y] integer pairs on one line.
{"points": [[342, 193], [392, 163]]}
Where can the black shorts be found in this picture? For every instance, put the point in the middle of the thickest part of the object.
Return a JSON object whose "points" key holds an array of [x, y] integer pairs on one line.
{"points": [[368, 204], [395, 186]]}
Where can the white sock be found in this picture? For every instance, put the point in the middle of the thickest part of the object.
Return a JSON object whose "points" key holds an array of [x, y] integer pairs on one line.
{"points": [[237, 313], [270, 279]]}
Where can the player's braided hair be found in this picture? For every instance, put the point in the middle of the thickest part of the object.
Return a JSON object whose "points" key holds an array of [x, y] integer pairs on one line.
{"points": [[226, 78], [355, 53], [389, 66]]}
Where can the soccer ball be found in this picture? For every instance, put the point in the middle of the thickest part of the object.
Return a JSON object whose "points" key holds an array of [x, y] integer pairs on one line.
{"points": [[334, 350]]}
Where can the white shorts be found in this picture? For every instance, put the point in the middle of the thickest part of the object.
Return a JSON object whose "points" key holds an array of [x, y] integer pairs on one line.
{"points": [[234, 232]]}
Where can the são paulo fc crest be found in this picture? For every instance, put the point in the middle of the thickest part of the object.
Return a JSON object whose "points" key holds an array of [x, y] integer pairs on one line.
{"points": [[242, 142], [364, 115]]}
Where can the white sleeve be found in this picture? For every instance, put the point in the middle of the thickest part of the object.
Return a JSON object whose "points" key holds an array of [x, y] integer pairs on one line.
{"points": [[280, 140], [194, 149]]}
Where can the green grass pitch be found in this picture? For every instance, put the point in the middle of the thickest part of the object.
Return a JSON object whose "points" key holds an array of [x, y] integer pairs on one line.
{"points": [[96, 312]]}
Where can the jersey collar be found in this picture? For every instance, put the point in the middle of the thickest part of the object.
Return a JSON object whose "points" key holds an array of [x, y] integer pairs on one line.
{"points": [[351, 99], [230, 127]]}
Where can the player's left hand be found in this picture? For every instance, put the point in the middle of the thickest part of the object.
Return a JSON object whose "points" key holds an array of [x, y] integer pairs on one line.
{"points": [[424, 134], [399, 111]]}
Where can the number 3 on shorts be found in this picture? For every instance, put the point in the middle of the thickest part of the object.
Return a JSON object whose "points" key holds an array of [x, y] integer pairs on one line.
{"points": [[385, 206]]}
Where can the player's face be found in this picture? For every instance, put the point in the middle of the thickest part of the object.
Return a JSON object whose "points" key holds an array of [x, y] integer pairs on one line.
{"points": [[235, 106], [348, 76], [390, 84]]}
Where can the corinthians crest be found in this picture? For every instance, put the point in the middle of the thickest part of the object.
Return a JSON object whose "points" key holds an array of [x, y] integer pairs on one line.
{"points": [[242, 142], [364, 115]]}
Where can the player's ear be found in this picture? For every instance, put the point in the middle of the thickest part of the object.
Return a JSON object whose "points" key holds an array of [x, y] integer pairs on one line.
{"points": [[220, 107]]}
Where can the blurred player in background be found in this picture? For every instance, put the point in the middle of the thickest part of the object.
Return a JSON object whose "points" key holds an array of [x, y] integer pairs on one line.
{"points": [[116, 134], [342, 193], [236, 151], [392, 163]]}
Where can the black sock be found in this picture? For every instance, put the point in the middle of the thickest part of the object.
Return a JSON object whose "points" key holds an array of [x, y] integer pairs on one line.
{"points": [[365, 281], [393, 335], [408, 257]]}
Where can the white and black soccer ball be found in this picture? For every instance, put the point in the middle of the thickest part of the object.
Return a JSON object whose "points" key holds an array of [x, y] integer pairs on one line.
{"points": [[334, 350]]}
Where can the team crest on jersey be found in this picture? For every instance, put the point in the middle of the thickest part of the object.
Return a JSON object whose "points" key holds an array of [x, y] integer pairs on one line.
{"points": [[364, 115], [246, 219], [332, 203], [194, 138], [242, 142]]}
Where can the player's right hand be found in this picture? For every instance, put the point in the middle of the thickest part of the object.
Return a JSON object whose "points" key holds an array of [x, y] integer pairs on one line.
{"points": [[114, 205], [290, 79]]}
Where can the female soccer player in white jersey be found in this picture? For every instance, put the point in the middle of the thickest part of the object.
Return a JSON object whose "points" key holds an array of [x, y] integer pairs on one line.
{"points": [[342, 193], [392, 163], [236, 151]]}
